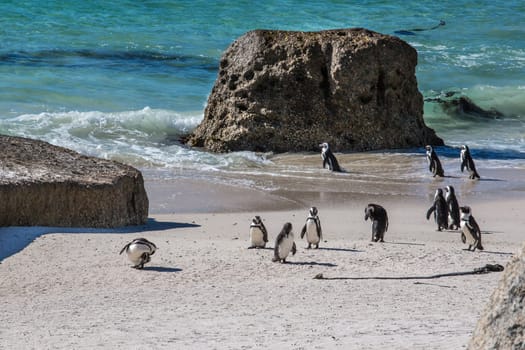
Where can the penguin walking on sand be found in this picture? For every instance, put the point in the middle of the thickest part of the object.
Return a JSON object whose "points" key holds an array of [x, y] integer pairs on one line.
{"points": [[379, 218], [329, 158], [471, 233], [284, 244], [434, 165], [139, 251], [468, 163], [258, 233], [439, 208], [453, 208], [312, 229]]}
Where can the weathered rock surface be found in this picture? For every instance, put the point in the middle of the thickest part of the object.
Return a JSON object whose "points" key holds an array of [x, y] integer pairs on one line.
{"points": [[502, 324], [288, 91], [46, 185]]}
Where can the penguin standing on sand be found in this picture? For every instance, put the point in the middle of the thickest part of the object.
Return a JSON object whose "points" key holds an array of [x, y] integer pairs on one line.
{"points": [[284, 244], [468, 162], [312, 229], [439, 207], [258, 233], [471, 233], [329, 158], [139, 251], [434, 165], [379, 218], [453, 208]]}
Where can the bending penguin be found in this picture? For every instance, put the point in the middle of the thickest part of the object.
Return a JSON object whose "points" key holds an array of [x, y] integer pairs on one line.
{"points": [[439, 207], [329, 158], [379, 218], [312, 229], [284, 244], [453, 208], [468, 163], [434, 165], [258, 233], [139, 251], [471, 233]]}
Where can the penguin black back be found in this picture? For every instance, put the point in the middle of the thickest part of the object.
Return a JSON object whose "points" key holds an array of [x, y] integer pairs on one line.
{"points": [[468, 163], [329, 158], [434, 164]]}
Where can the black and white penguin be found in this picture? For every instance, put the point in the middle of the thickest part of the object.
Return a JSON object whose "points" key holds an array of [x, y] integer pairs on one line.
{"points": [[453, 208], [470, 231], [312, 229], [439, 207], [139, 251], [434, 165], [258, 233], [379, 218], [329, 158], [284, 244], [468, 163]]}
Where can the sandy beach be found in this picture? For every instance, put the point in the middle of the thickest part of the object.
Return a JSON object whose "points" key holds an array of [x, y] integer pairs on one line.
{"points": [[66, 288]]}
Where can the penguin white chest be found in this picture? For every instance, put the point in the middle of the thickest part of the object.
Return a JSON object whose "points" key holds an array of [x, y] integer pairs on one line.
{"points": [[312, 235], [285, 246], [467, 231], [135, 252], [257, 236]]}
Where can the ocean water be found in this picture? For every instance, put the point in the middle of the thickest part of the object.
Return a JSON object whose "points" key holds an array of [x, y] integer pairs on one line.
{"points": [[125, 80]]}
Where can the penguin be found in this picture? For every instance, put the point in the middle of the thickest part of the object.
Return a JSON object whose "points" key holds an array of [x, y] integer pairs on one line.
{"points": [[453, 208], [312, 229], [470, 231], [379, 218], [468, 163], [258, 233], [329, 158], [439, 207], [434, 165], [284, 244], [139, 251]]}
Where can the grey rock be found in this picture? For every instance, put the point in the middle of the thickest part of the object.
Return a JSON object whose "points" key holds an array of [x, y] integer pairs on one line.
{"points": [[46, 185], [502, 324], [288, 91]]}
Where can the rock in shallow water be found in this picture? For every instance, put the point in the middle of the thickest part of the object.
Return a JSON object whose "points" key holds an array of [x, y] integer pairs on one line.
{"points": [[46, 185], [286, 91]]}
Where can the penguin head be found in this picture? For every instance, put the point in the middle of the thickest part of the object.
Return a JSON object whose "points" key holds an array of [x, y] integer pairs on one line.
{"points": [[313, 211], [428, 148], [256, 220], [439, 193], [464, 148], [465, 209], [324, 146], [369, 211], [287, 228], [450, 189]]}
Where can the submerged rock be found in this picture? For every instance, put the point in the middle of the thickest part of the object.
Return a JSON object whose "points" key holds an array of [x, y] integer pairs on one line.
{"points": [[502, 324], [288, 91], [46, 185]]}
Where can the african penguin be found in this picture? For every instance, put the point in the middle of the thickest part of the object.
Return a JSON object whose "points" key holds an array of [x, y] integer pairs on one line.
{"points": [[329, 158], [468, 163], [312, 229], [434, 165], [258, 233], [379, 218], [471, 233], [284, 244], [139, 251], [439, 207], [453, 208]]}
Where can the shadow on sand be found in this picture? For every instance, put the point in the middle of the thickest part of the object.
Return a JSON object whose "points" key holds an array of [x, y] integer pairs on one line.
{"points": [[15, 238]]}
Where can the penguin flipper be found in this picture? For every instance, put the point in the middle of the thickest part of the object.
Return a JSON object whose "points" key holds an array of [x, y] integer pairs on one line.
{"points": [[430, 210], [303, 231], [124, 249], [294, 248]]}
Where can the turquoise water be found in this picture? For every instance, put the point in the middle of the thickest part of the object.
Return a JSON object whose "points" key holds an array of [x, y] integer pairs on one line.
{"points": [[125, 80]]}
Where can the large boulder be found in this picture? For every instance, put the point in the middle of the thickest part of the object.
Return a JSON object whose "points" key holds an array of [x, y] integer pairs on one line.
{"points": [[288, 91], [46, 185], [502, 324]]}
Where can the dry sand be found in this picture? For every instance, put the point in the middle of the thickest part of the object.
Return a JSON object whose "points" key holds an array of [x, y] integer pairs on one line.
{"points": [[203, 289]]}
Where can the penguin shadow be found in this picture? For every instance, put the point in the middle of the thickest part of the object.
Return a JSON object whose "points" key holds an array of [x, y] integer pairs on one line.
{"points": [[493, 252], [310, 263], [161, 269], [403, 243], [255, 248]]}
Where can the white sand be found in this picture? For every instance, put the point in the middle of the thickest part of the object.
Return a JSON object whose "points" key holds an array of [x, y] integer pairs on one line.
{"points": [[204, 289]]}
